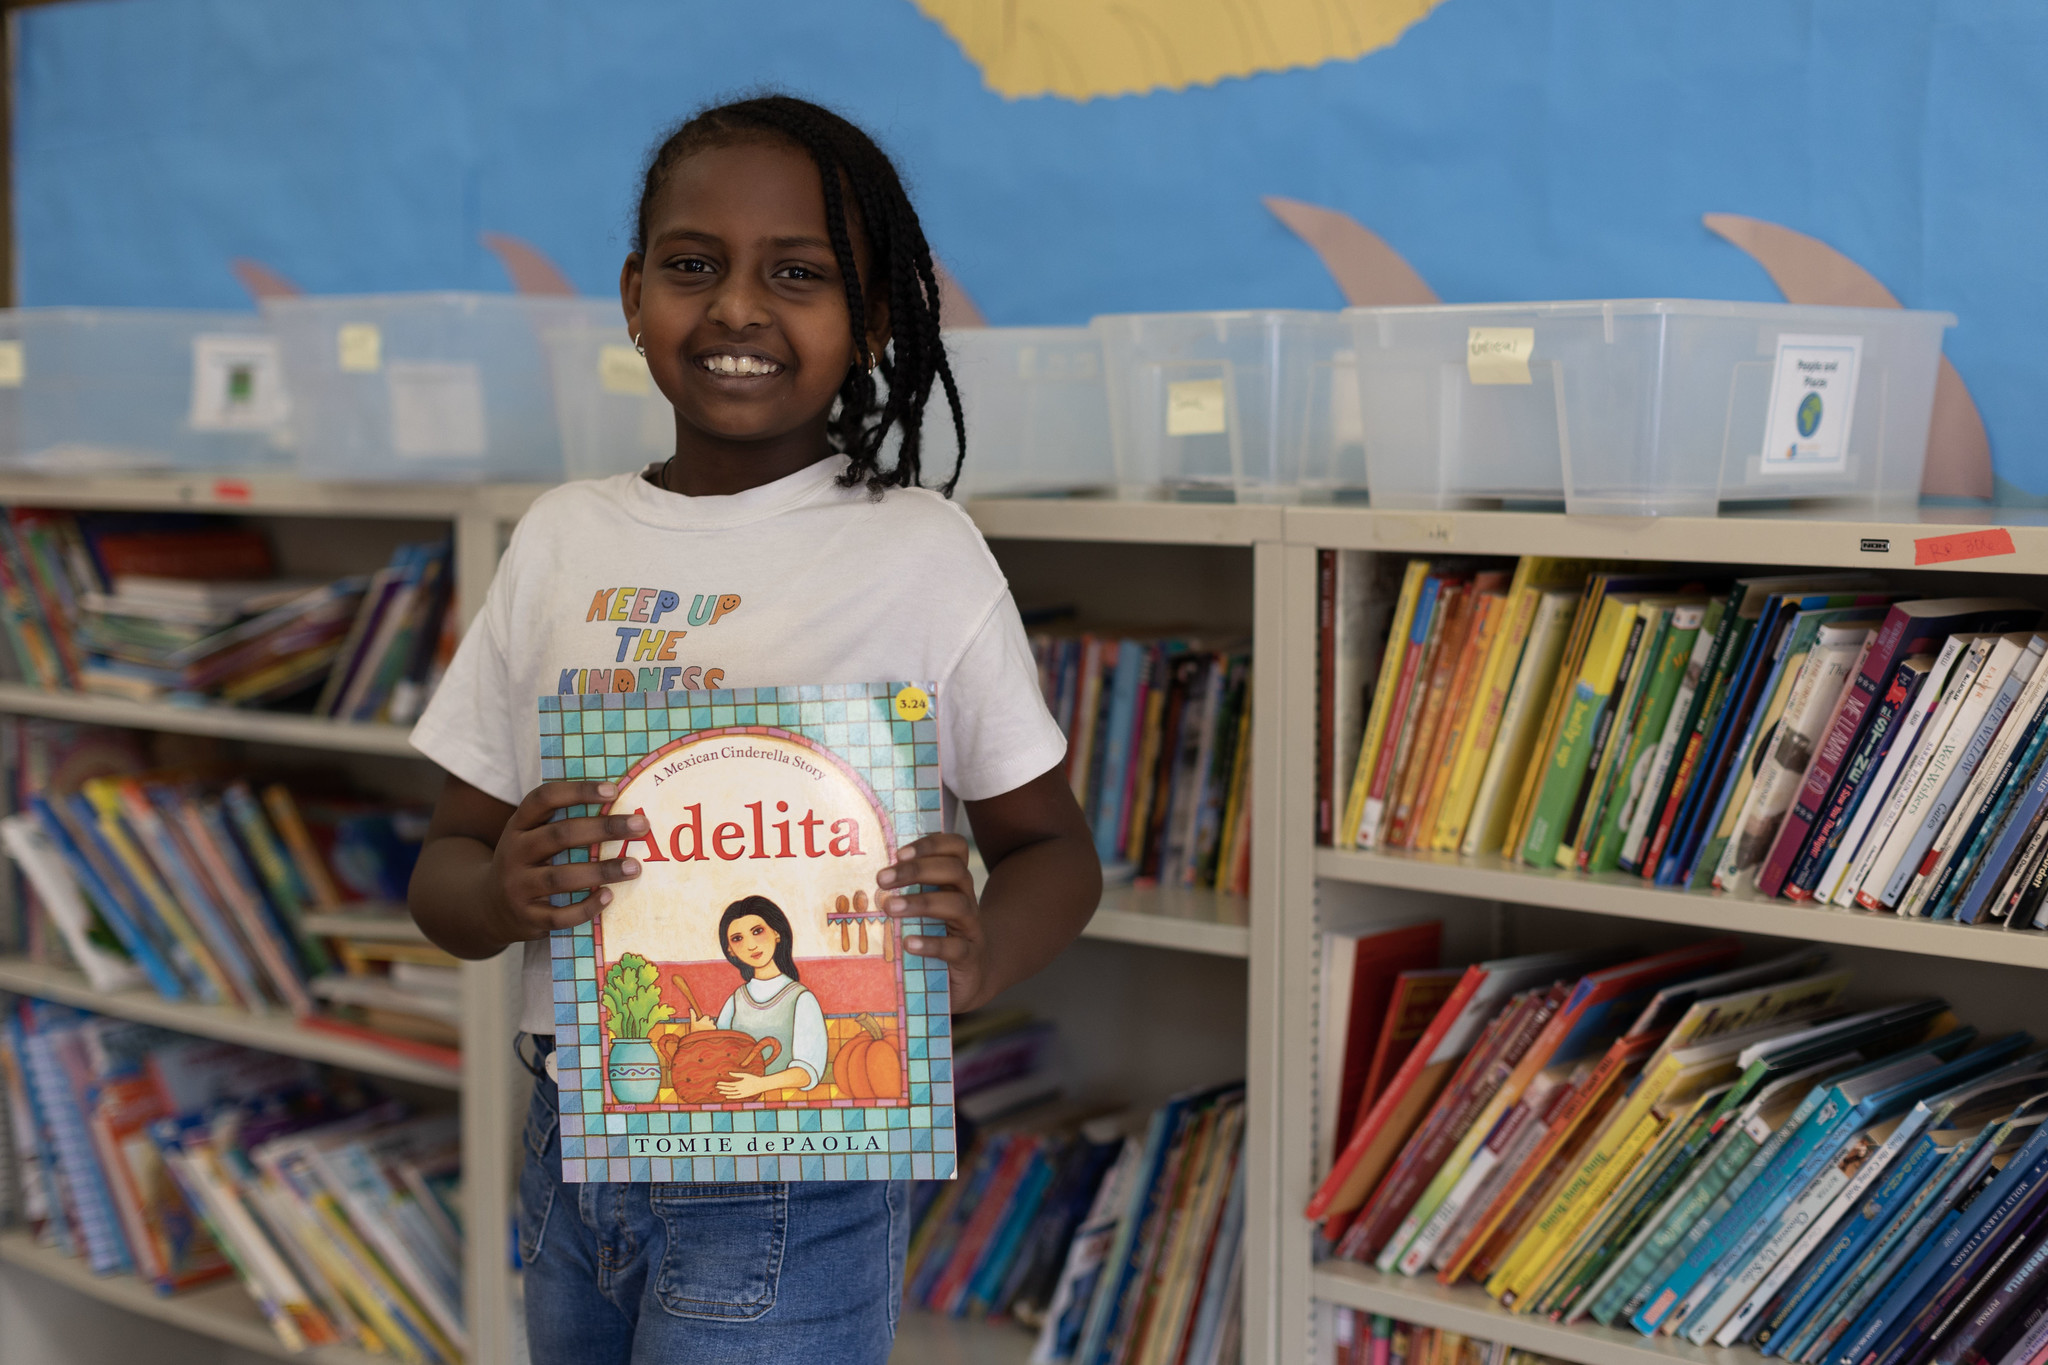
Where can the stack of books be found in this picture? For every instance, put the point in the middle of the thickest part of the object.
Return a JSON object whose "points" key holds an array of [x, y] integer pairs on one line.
{"points": [[191, 609], [1374, 1339], [1820, 737], [200, 889], [183, 1162], [1158, 751], [1715, 1151]]}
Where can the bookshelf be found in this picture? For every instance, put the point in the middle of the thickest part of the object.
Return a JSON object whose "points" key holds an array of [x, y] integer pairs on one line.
{"points": [[1199, 944], [1245, 568], [1321, 886]]}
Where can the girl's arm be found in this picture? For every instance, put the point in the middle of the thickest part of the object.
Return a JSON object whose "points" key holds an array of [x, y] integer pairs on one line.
{"points": [[483, 878], [1044, 882]]}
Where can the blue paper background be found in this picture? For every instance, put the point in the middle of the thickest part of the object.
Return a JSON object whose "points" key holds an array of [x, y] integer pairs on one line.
{"points": [[1510, 149]]}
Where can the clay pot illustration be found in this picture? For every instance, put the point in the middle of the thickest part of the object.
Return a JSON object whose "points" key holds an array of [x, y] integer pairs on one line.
{"points": [[633, 1071], [697, 1062]]}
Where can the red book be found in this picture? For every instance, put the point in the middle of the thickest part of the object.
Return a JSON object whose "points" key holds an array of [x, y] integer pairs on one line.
{"points": [[1906, 625], [1417, 996], [1379, 1135], [222, 552], [1359, 988]]}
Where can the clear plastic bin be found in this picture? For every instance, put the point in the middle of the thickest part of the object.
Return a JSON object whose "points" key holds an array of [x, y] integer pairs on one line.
{"points": [[1226, 405], [128, 390], [406, 387], [613, 419], [1645, 406], [1037, 413]]}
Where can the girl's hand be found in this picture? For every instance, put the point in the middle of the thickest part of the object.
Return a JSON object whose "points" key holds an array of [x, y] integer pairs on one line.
{"points": [[523, 877], [939, 861], [744, 1086]]}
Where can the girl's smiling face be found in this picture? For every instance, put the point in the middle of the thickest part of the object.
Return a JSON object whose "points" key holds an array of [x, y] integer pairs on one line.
{"points": [[753, 942], [741, 308]]}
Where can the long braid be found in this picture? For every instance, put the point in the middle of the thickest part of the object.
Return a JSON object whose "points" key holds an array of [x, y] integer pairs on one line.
{"points": [[850, 165]]}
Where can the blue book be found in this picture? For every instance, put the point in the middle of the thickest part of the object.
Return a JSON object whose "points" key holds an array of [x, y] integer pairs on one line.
{"points": [[83, 821], [1825, 1107], [1956, 1181], [1899, 1081], [54, 1059], [118, 914], [1959, 884], [1978, 899], [1965, 1230], [1918, 1142], [994, 1265], [1132, 661], [161, 839]]}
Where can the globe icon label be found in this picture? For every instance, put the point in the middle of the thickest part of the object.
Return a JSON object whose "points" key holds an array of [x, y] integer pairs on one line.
{"points": [[1809, 415]]}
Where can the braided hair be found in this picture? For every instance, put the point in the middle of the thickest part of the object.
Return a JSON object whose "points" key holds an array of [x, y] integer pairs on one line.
{"points": [[900, 270]]}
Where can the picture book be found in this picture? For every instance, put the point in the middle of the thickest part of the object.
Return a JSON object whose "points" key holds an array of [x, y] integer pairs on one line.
{"points": [[743, 1010]]}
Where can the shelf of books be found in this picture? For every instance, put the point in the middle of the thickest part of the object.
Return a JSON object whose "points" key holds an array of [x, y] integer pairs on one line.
{"points": [[1726, 1150], [245, 494], [223, 1312]]}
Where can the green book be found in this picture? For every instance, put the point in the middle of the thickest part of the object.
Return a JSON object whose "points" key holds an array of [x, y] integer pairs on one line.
{"points": [[1565, 770], [1632, 767], [1619, 728]]}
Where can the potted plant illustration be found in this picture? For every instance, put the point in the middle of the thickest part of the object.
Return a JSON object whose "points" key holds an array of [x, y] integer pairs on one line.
{"points": [[632, 998]]}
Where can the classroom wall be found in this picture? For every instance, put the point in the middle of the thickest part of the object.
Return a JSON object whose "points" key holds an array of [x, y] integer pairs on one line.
{"points": [[1508, 149]]}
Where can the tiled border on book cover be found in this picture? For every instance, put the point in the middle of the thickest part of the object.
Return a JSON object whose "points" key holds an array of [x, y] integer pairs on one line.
{"points": [[901, 1142]]}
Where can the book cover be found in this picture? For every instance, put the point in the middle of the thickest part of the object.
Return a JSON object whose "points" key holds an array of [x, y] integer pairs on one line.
{"points": [[1402, 708], [1637, 749], [1894, 720], [1394, 666], [1664, 754], [1646, 636], [746, 972], [1565, 768], [1363, 976]]}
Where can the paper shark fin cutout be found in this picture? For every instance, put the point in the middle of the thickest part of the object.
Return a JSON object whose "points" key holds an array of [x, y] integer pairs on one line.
{"points": [[1370, 273], [261, 281], [1807, 270], [956, 309], [531, 271]]}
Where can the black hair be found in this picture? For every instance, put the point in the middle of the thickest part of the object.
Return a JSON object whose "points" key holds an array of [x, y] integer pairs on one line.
{"points": [[771, 915], [899, 269]]}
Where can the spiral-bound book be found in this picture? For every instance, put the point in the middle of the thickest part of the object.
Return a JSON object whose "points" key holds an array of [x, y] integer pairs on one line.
{"points": [[743, 1010]]}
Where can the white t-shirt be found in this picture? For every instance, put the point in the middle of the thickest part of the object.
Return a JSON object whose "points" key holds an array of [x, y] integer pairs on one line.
{"points": [[797, 581]]}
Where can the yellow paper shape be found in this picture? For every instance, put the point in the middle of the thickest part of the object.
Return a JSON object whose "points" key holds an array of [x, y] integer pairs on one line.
{"points": [[13, 364], [1080, 49], [359, 347], [1499, 355], [1195, 407], [621, 370]]}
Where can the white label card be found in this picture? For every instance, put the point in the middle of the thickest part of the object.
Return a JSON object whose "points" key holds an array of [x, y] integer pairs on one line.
{"points": [[437, 409], [359, 347], [1196, 407], [1813, 395], [237, 383]]}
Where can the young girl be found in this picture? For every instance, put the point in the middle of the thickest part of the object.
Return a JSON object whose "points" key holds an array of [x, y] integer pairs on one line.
{"points": [[777, 265]]}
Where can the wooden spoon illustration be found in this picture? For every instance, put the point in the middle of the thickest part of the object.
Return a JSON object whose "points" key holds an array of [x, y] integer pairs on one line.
{"points": [[689, 997], [860, 907], [845, 942]]}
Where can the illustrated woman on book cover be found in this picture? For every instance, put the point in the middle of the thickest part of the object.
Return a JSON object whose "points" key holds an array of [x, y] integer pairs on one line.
{"points": [[770, 1001]]}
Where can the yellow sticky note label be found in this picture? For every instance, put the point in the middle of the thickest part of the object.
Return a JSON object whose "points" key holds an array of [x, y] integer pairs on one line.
{"points": [[621, 369], [1195, 407], [361, 348], [1499, 355], [913, 703], [13, 364]]}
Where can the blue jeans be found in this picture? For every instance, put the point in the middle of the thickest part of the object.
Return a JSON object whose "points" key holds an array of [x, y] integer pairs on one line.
{"points": [[652, 1274]]}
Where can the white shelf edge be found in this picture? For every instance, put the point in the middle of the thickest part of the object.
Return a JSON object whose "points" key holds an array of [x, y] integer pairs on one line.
{"points": [[306, 732], [1466, 1309], [1491, 878], [924, 1338], [1821, 536], [366, 922], [275, 1032], [223, 1310], [1181, 918], [261, 492]]}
